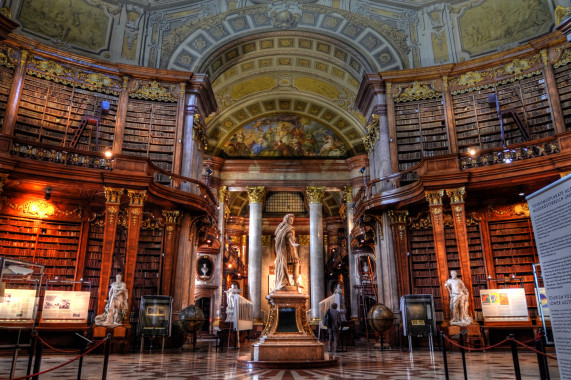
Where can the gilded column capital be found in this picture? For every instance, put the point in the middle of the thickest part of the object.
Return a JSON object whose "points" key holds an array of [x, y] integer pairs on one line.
{"points": [[256, 194], [315, 193], [398, 216], [182, 90], [113, 194], [434, 198], [347, 194], [389, 88], [456, 195], [125, 84], [171, 217], [223, 194], [136, 197], [3, 178]]}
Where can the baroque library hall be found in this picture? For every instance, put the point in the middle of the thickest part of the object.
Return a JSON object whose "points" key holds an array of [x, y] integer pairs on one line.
{"points": [[285, 189]]}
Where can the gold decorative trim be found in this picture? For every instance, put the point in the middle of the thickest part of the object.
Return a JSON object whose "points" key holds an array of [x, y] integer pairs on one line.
{"points": [[199, 133], [171, 216], [347, 194], [315, 193], [458, 210], [149, 222], [304, 240], [98, 81], [266, 240], [417, 91], [113, 194], [398, 216], [434, 198], [456, 195], [223, 194], [42, 208], [564, 58], [153, 91], [372, 135], [517, 66], [561, 14], [5, 60], [6, 12], [470, 78], [421, 221], [256, 194], [436, 213], [136, 197]]}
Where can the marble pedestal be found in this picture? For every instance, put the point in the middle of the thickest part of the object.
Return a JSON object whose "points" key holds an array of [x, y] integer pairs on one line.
{"points": [[287, 338]]}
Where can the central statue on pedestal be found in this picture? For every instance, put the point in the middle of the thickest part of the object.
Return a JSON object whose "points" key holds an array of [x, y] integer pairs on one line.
{"points": [[286, 253]]}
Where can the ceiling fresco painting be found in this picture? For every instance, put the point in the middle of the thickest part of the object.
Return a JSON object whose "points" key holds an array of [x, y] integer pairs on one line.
{"points": [[284, 136]]}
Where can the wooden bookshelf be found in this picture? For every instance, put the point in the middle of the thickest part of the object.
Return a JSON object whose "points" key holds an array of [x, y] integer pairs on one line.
{"points": [[452, 251], [92, 271], [52, 244], [424, 271], [477, 266], [514, 252], [147, 270], [563, 80], [6, 75], [150, 131], [51, 112], [421, 132]]}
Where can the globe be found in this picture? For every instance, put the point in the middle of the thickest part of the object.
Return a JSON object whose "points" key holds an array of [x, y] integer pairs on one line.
{"points": [[380, 318], [191, 319]]}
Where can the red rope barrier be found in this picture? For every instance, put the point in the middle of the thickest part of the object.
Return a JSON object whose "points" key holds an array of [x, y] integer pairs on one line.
{"points": [[61, 365], [57, 349], [534, 350], [474, 349]]}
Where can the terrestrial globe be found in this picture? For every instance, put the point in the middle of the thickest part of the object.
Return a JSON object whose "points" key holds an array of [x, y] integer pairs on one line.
{"points": [[380, 318], [191, 319]]}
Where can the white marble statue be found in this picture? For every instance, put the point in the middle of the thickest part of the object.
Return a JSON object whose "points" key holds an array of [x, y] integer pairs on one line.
{"points": [[459, 301], [117, 305], [204, 269], [230, 301], [286, 253]]}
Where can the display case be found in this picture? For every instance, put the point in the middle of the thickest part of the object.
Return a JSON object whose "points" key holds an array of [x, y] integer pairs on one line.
{"points": [[155, 316], [63, 304], [418, 317]]}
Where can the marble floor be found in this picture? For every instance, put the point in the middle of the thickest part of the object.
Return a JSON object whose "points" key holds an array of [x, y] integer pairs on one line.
{"points": [[361, 362]]}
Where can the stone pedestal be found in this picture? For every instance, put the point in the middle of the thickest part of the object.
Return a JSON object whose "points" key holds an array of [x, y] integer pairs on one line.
{"points": [[287, 338]]}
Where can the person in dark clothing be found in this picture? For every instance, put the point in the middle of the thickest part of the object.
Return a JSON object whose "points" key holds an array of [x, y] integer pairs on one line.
{"points": [[332, 320]]}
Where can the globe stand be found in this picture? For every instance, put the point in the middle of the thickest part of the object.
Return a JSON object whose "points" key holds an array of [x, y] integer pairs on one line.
{"points": [[190, 320], [380, 318]]}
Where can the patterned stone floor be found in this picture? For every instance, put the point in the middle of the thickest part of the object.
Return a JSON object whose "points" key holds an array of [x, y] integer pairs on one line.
{"points": [[362, 362]]}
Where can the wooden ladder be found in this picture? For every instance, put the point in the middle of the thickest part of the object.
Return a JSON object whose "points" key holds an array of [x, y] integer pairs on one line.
{"points": [[85, 121]]}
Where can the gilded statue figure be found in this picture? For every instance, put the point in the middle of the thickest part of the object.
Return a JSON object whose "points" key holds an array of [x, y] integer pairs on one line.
{"points": [[286, 253], [117, 304], [458, 300]]}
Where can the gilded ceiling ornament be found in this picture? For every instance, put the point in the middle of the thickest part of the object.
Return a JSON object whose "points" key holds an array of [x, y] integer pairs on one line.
{"points": [[136, 197], [398, 216], [256, 194], [199, 133], [434, 198], [315, 193], [456, 195], [171, 216], [113, 195], [417, 91], [373, 132], [561, 14], [285, 13], [517, 66], [348, 194], [153, 91]]}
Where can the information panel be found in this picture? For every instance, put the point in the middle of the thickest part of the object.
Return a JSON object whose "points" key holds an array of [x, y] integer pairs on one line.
{"points": [[550, 211], [508, 303], [68, 305], [18, 304]]}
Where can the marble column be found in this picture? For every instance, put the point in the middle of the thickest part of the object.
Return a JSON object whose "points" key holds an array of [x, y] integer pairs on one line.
{"points": [[385, 263], [316, 270], [218, 264], [354, 279], [256, 195]]}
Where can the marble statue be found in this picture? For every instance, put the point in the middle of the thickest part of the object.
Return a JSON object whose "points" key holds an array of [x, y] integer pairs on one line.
{"points": [[458, 300], [117, 304], [204, 269], [230, 301], [286, 253]]}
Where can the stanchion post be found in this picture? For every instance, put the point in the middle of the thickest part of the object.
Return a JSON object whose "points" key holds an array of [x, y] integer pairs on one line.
{"points": [[80, 365], [32, 349], [517, 371], [38, 359], [541, 359], [444, 355], [106, 359], [463, 351]]}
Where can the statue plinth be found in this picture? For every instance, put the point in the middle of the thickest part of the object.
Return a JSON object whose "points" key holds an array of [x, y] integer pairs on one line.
{"points": [[287, 337]]}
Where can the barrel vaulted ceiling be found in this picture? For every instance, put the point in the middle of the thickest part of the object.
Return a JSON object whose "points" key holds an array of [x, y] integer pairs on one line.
{"points": [[297, 58]]}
